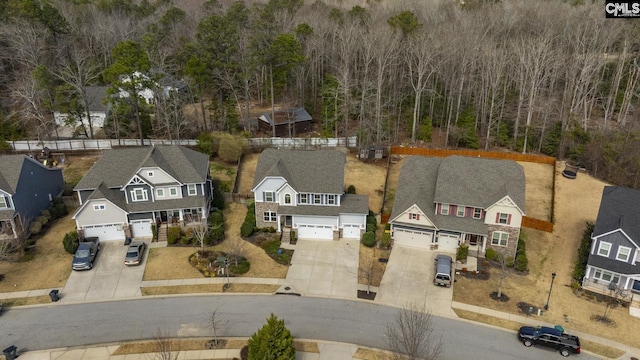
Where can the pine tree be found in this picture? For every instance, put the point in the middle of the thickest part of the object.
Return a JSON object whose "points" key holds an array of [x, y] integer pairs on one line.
{"points": [[272, 342]]}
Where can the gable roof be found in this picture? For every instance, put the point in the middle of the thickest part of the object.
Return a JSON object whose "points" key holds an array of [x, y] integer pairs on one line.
{"points": [[425, 181], [619, 209], [286, 116], [320, 171], [117, 166], [479, 182], [10, 167]]}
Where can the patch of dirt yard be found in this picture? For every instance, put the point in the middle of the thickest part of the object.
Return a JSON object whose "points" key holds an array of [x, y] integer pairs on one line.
{"points": [[370, 269], [173, 262], [539, 190], [368, 179], [49, 268], [75, 167], [393, 178], [576, 201], [247, 173]]}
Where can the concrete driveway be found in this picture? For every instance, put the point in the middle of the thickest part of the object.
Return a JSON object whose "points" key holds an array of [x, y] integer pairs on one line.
{"points": [[109, 278], [325, 268], [408, 279]]}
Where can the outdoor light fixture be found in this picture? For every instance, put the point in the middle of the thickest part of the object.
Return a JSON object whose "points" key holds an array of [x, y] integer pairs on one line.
{"points": [[553, 277]]}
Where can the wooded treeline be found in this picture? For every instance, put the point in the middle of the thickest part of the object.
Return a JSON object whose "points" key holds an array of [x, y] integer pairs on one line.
{"points": [[555, 76]]}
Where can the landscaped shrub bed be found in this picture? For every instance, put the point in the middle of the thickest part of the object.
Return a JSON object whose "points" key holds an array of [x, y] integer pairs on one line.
{"points": [[207, 263], [272, 248]]}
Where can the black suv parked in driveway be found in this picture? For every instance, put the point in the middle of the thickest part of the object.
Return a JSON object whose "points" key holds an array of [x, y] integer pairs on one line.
{"points": [[551, 338]]}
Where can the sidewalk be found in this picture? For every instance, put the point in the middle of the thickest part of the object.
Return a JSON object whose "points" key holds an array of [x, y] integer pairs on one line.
{"points": [[328, 351]]}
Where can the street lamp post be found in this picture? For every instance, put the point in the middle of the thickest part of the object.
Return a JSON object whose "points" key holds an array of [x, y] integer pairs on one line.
{"points": [[553, 277]]}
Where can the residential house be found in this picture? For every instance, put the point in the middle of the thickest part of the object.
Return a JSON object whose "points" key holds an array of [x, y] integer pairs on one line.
{"points": [[26, 188], [444, 202], [304, 190], [614, 257], [161, 89], [129, 190], [288, 123], [98, 109]]}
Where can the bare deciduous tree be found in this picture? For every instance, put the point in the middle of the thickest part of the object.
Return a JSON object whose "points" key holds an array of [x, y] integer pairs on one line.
{"points": [[216, 322], [165, 348], [200, 235], [412, 335], [236, 248], [366, 272]]}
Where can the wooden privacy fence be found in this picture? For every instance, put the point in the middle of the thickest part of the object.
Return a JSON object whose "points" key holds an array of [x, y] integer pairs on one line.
{"points": [[542, 159], [537, 224]]}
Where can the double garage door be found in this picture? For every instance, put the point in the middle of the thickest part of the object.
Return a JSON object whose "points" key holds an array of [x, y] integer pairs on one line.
{"points": [[104, 232], [412, 238], [316, 232]]}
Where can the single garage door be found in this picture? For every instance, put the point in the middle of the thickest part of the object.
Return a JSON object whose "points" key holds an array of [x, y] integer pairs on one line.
{"points": [[104, 232], [316, 232], [448, 242], [351, 231], [412, 238], [141, 228]]}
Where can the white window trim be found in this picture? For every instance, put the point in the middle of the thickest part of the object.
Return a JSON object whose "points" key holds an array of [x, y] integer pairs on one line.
{"points": [[269, 196], [331, 199], [602, 246], [192, 187], [628, 253], [134, 198], [464, 211], [172, 190], [598, 274], [506, 219], [287, 199], [317, 199], [445, 209], [99, 207], [304, 198], [500, 233], [270, 216], [160, 193], [3, 202], [149, 173], [479, 216]]}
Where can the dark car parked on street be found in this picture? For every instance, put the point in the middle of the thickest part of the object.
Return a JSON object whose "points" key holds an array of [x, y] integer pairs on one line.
{"points": [[134, 253], [549, 337]]}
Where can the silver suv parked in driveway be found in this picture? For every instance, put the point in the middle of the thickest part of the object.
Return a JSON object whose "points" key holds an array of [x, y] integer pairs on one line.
{"points": [[443, 270]]}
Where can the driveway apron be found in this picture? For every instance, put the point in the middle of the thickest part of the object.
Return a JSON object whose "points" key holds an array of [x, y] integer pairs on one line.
{"points": [[109, 278], [325, 268], [408, 280]]}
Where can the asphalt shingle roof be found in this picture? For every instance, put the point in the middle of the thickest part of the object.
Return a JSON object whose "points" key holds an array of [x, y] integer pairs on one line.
{"points": [[619, 209], [613, 265], [10, 168], [474, 182], [318, 171], [350, 204], [117, 166]]}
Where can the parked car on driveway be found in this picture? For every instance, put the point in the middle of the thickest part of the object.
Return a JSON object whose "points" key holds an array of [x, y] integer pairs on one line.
{"points": [[86, 254], [134, 253], [443, 270], [551, 338]]}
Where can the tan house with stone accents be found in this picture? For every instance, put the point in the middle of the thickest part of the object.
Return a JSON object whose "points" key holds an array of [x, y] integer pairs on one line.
{"points": [[304, 190], [445, 202]]}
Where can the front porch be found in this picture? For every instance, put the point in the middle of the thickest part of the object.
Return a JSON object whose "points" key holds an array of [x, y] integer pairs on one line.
{"points": [[8, 229]]}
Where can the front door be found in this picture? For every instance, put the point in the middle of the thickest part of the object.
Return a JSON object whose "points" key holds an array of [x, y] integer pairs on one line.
{"points": [[163, 216], [287, 220]]}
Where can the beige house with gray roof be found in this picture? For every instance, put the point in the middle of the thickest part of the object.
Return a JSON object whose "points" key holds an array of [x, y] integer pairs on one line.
{"points": [[304, 190], [444, 202], [130, 190]]}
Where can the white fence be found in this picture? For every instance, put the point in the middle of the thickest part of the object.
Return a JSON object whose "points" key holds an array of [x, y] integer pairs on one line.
{"points": [[105, 144]]}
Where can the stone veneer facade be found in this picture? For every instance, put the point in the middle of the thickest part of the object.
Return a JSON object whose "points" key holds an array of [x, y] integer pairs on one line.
{"points": [[261, 207], [512, 244]]}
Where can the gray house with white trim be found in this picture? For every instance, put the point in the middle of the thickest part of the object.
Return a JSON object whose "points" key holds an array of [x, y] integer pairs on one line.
{"points": [[444, 202], [26, 188], [614, 257], [304, 190], [130, 189]]}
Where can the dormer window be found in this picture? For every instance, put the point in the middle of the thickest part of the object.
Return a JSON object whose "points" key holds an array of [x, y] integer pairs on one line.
{"points": [[150, 173], [139, 194]]}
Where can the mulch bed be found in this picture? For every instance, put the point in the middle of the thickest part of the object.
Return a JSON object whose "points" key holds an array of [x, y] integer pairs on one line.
{"points": [[503, 298], [362, 294]]}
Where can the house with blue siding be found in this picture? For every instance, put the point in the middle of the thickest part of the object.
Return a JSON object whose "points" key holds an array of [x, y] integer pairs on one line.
{"points": [[26, 188], [130, 190], [614, 257]]}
